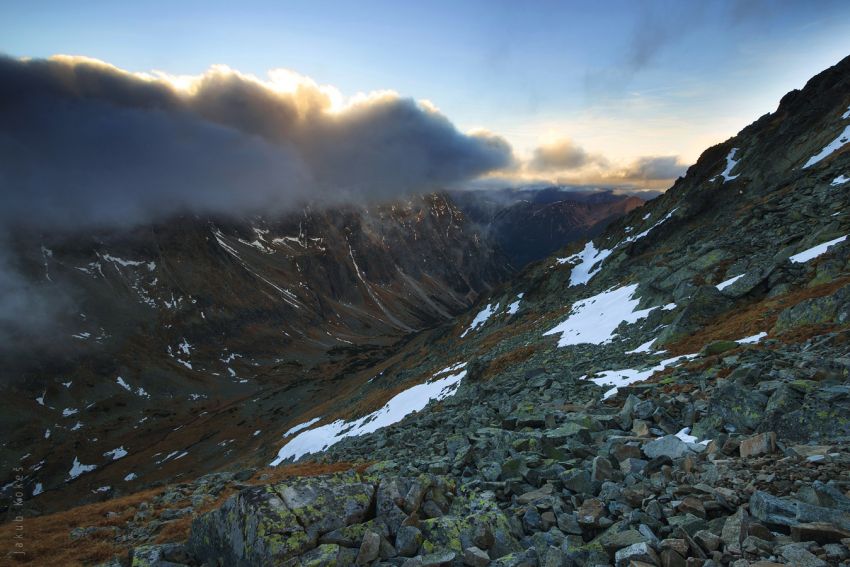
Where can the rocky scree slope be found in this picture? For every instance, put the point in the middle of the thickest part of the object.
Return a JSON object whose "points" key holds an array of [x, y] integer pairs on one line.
{"points": [[182, 338], [674, 392]]}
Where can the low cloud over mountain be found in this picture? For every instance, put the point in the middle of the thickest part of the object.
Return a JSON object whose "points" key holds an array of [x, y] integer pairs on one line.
{"points": [[84, 143]]}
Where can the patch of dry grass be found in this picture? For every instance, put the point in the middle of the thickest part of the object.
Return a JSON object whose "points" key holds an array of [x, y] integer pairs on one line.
{"points": [[757, 317]]}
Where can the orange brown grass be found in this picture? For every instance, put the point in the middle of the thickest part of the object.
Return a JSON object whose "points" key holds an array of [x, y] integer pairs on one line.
{"points": [[755, 318]]}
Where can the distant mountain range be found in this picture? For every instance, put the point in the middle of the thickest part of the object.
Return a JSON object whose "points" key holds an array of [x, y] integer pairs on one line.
{"points": [[530, 224]]}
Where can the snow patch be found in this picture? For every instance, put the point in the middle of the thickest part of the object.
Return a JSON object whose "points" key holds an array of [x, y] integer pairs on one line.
{"points": [[481, 318], [116, 454], [731, 162], [78, 468], [815, 251], [840, 180], [513, 308], [645, 347], [831, 147], [411, 400], [589, 263], [594, 320], [752, 339], [131, 476], [685, 436], [39, 488], [723, 285], [301, 426], [616, 379], [68, 412], [640, 235]]}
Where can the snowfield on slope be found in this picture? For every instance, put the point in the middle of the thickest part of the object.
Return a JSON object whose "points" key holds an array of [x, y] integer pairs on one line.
{"points": [[594, 320], [815, 251], [481, 318], [723, 285], [590, 262], [401, 405], [616, 379], [831, 147], [731, 162], [590, 259]]}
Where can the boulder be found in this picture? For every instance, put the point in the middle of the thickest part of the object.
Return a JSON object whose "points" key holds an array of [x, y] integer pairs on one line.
{"points": [[634, 553], [667, 446], [761, 444]]}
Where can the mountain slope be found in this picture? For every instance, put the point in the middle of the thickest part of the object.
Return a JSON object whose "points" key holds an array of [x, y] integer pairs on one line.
{"points": [[565, 399], [674, 390], [184, 336], [529, 225]]}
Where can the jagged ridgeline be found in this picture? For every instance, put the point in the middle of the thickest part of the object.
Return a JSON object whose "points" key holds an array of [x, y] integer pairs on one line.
{"points": [[673, 392]]}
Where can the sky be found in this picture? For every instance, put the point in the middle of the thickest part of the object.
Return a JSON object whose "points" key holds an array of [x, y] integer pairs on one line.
{"points": [[605, 92]]}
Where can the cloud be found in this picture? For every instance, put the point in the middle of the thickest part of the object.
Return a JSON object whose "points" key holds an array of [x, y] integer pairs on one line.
{"points": [[565, 162], [654, 168], [563, 155], [84, 143]]}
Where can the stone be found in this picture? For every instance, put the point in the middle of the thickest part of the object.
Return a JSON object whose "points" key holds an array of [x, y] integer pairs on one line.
{"points": [[821, 532], [667, 446], [407, 540], [773, 510], [678, 545], [719, 347], [708, 541], [622, 452], [325, 555], [533, 495], [369, 548], [670, 558], [159, 555], [632, 466], [799, 556], [438, 559], [475, 557], [577, 481], [234, 533], [601, 470], [591, 511], [735, 529], [568, 523], [692, 505], [482, 536], [761, 444], [640, 428], [612, 539], [636, 552]]}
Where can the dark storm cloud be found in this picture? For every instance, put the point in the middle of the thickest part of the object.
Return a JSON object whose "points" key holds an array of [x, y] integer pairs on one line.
{"points": [[563, 155], [83, 143]]}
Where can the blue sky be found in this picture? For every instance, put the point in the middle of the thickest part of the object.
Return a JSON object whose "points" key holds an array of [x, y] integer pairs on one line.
{"points": [[619, 79]]}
